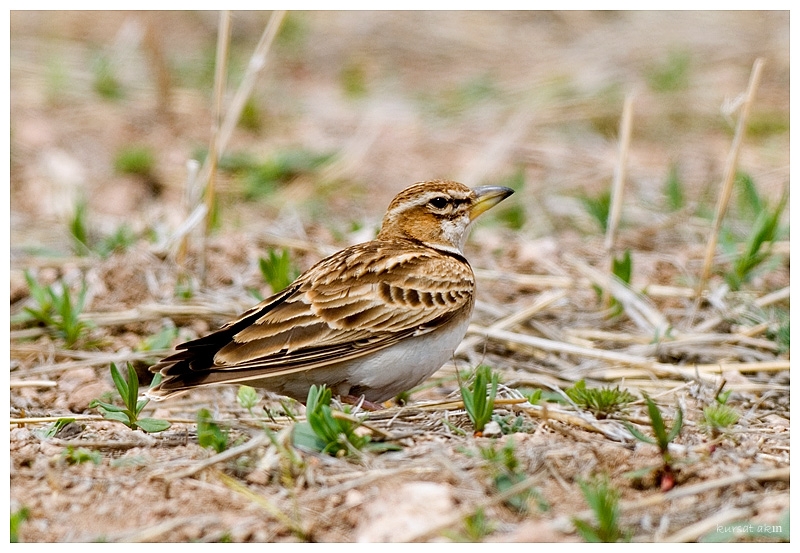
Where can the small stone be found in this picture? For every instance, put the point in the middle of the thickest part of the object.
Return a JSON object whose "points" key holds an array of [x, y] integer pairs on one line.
{"points": [[423, 506], [492, 430]]}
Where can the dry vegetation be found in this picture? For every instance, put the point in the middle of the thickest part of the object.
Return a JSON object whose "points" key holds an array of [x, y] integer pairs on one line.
{"points": [[106, 109]]}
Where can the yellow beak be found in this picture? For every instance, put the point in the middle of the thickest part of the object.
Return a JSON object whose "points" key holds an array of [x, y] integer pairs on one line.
{"points": [[487, 197]]}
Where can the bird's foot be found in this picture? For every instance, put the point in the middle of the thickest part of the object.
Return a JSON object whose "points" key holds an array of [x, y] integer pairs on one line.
{"points": [[360, 401]]}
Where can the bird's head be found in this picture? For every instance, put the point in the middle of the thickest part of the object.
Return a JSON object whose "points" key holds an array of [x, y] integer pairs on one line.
{"points": [[439, 213]]}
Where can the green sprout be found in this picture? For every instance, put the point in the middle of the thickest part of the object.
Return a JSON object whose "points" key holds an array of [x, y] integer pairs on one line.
{"points": [[478, 404], [106, 83], [599, 207], [353, 79], [671, 75], [129, 414], [662, 439], [209, 434], [505, 470], [602, 402], [332, 432], [511, 423], [135, 160], [55, 428], [251, 116], [476, 527], [261, 179], [57, 310], [79, 228], [622, 268], [750, 203], [603, 499], [717, 419], [277, 269], [248, 398], [17, 518], [780, 331], [758, 246], [673, 189], [77, 456], [84, 242], [160, 340]]}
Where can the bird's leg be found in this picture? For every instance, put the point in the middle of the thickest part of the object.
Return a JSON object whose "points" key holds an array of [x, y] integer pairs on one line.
{"points": [[365, 404]]}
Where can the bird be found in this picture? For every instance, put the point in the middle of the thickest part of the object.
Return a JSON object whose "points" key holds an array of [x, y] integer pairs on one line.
{"points": [[370, 322]]}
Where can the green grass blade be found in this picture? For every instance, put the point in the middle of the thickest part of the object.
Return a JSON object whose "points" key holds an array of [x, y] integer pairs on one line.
{"points": [[677, 424], [119, 382]]}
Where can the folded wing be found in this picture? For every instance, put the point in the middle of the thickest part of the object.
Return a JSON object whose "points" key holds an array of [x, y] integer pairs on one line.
{"points": [[358, 301]]}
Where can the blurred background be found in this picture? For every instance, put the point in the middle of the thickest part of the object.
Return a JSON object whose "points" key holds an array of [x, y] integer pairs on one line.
{"points": [[108, 107]]}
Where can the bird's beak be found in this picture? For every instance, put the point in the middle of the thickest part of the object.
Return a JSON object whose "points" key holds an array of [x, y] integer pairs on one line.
{"points": [[487, 197]]}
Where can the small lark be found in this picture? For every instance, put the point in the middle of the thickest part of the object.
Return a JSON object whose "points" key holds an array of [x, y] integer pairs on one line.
{"points": [[370, 321]]}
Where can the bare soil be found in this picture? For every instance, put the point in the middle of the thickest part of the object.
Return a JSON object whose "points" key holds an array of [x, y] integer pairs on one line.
{"points": [[533, 98]]}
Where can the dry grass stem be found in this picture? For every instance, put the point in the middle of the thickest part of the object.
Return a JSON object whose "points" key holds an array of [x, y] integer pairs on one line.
{"points": [[731, 165]]}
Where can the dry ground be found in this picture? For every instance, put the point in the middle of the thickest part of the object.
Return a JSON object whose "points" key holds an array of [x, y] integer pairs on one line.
{"points": [[533, 98]]}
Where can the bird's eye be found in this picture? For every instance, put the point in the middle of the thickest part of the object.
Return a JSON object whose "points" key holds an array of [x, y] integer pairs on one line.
{"points": [[439, 202]]}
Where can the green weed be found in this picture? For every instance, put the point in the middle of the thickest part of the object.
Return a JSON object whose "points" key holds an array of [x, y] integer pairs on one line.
{"points": [[598, 207], [79, 455], [57, 80], [603, 500], [135, 160], [475, 527], [209, 434], [749, 201], [293, 33], [622, 268], [17, 518], [511, 423], [505, 471], [535, 396], [277, 269], [79, 228], [248, 398], [55, 428], [105, 81], [263, 178], [251, 116], [780, 331], [662, 438], [671, 75], [602, 402], [717, 419], [758, 246], [85, 242], [332, 432], [184, 287], [57, 310], [765, 123], [478, 404], [129, 393], [674, 189], [353, 80], [162, 339]]}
